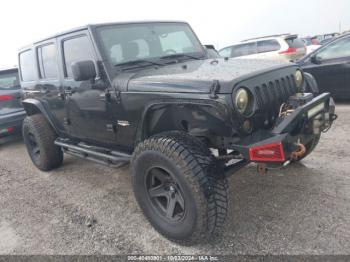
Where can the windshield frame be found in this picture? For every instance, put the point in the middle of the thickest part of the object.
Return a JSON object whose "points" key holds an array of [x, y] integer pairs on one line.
{"points": [[112, 68]]}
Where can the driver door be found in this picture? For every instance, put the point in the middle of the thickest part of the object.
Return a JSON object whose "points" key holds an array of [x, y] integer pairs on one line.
{"points": [[88, 113]]}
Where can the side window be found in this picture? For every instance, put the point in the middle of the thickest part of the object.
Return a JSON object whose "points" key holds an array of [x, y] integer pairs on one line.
{"points": [[27, 66], [244, 49], [268, 46], [226, 52], [47, 57], [76, 49], [336, 49]]}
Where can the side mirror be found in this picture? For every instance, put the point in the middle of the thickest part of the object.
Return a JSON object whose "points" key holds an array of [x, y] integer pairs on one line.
{"points": [[83, 70], [315, 59]]}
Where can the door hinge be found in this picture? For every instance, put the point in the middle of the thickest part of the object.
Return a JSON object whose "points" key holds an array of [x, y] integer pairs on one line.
{"points": [[111, 128], [214, 89], [118, 96], [66, 121]]}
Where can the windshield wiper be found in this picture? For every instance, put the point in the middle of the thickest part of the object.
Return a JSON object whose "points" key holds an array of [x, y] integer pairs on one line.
{"points": [[181, 55], [137, 62]]}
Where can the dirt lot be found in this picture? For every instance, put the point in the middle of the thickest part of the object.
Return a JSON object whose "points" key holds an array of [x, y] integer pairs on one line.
{"points": [[84, 208]]}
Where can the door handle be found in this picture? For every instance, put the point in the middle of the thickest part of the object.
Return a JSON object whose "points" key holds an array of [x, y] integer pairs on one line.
{"points": [[44, 90], [105, 97], [69, 91], [61, 95]]}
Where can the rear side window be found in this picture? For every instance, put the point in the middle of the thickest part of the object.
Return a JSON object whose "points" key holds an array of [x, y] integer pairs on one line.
{"points": [[76, 49], [268, 46], [47, 57], [244, 49], [27, 66], [295, 42]]}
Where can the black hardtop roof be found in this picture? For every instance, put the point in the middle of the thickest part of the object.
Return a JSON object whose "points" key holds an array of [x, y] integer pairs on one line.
{"points": [[88, 26], [8, 69]]}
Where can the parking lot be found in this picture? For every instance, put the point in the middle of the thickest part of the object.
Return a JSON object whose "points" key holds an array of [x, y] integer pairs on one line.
{"points": [[85, 208]]}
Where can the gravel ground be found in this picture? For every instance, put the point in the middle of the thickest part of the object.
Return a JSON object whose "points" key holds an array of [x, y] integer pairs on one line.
{"points": [[85, 208]]}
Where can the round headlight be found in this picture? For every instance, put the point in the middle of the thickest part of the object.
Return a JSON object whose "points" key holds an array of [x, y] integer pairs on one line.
{"points": [[242, 100], [298, 78]]}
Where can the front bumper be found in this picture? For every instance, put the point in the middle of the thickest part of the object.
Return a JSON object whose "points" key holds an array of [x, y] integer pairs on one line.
{"points": [[303, 124], [11, 123]]}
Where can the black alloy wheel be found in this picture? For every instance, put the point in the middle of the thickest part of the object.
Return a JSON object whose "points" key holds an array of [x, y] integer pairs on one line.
{"points": [[165, 194]]}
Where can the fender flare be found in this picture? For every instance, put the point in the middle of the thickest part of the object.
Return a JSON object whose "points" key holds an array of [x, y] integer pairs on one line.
{"points": [[214, 105], [34, 106]]}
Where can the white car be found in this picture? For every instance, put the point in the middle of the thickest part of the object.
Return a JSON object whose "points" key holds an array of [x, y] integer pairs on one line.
{"points": [[311, 44], [277, 47]]}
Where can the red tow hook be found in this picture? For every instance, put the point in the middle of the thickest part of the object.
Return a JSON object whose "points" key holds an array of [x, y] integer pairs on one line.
{"points": [[299, 152]]}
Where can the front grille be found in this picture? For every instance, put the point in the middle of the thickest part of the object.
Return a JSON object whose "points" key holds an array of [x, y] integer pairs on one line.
{"points": [[269, 96]]}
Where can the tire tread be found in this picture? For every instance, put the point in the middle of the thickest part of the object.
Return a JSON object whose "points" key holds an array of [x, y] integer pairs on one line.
{"points": [[196, 160], [51, 156]]}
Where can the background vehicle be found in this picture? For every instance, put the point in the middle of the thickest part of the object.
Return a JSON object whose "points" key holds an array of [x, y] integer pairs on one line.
{"points": [[147, 93], [325, 38], [11, 110], [330, 65], [276, 47], [311, 44]]}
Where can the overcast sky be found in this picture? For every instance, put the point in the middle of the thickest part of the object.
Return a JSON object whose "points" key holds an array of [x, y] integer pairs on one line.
{"points": [[216, 22]]}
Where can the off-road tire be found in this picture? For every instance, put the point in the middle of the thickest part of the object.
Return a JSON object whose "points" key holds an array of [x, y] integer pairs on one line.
{"points": [[200, 178], [310, 146], [38, 129]]}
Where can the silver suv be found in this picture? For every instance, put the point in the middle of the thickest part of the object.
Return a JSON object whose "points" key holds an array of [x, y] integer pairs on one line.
{"points": [[277, 47]]}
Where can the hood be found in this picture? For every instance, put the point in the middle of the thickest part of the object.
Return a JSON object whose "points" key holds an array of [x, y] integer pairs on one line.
{"points": [[197, 75]]}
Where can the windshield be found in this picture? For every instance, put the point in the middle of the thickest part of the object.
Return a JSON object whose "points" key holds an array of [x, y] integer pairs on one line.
{"points": [[9, 80], [149, 41]]}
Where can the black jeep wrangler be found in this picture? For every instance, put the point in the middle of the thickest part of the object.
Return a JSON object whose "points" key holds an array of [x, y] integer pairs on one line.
{"points": [[147, 93]]}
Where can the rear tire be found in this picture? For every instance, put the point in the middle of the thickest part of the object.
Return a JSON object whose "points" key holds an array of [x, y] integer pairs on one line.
{"points": [[39, 138], [177, 172]]}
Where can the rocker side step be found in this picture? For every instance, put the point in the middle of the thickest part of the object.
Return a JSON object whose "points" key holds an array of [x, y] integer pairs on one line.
{"points": [[96, 154]]}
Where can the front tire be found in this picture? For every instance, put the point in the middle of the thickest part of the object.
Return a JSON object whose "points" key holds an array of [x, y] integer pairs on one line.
{"points": [[39, 138], [180, 187]]}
